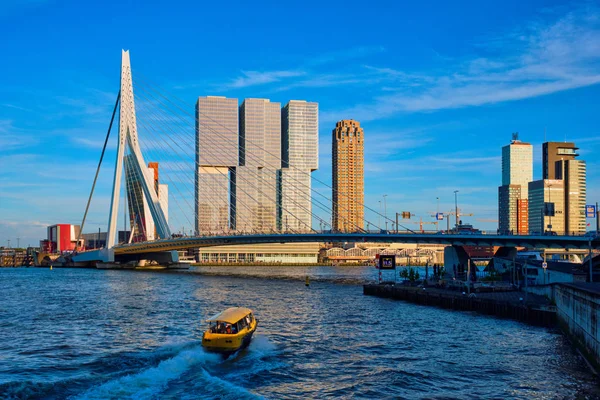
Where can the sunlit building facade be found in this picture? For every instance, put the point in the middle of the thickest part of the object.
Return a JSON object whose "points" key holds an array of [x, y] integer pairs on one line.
{"points": [[259, 166], [217, 154], [517, 172], [348, 176], [540, 217], [573, 174], [299, 155]]}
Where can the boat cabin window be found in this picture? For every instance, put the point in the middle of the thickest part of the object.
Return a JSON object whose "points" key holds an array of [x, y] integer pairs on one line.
{"points": [[223, 327]]}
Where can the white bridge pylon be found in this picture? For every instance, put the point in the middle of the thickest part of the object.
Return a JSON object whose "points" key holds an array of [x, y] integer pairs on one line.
{"points": [[128, 137]]}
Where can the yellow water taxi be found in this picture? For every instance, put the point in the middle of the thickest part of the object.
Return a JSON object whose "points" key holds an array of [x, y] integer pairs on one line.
{"points": [[229, 330]]}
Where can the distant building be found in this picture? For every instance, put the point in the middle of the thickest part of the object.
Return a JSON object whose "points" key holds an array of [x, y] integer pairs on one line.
{"points": [[573, 174], [300, 157], [559, 162], [540, 217], [513, 195], [553, 152], [97, 240], [60, 238], [509, 210], [259, 165], [217, 154], [140, 219], [266, 253], [348, 176]]}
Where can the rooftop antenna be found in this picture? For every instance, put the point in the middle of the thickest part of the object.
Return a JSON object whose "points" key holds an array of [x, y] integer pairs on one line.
{"points": [[544, 134]]}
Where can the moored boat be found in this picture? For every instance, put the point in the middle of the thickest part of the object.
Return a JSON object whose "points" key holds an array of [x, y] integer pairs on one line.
{"points": [[229, 330]]}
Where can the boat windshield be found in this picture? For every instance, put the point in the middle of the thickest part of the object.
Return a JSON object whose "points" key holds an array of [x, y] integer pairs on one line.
{"points": [[227, 328]]}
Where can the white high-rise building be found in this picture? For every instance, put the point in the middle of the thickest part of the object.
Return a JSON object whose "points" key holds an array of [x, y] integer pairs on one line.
{"points": [[256, 177], [216, 158], [517, 165], [513, 195], [300, 156]]}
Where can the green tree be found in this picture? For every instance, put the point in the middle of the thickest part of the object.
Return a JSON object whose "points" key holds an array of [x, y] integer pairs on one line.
{"points": [[404, 274], [411, 275]]}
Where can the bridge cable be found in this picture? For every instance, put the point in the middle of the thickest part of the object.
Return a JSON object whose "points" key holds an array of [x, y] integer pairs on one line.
{"points": [[255, 173], [313, 214], [234, 195], [325, 208], [98, 170], [299, 170]]}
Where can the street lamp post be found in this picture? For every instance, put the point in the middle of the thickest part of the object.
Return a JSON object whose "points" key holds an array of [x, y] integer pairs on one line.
{"points": [[437, 212], [379, 216], [456, 207], [385, 211], [549, 213]]}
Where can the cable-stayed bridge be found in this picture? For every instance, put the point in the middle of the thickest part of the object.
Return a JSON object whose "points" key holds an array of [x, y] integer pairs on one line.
{"points": [[260, 197]]}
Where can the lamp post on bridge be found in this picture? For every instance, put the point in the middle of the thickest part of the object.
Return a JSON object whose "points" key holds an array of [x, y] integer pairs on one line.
{"points": [[456, 207], [437, 212], [379, 216], [385, 211]]}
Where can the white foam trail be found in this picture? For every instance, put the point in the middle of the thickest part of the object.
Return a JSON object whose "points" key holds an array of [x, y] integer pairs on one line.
{"points": [[150, 382]]}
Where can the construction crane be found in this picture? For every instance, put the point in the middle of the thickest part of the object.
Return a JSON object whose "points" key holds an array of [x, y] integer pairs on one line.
{"points": [[406, 214], [446, 215]]}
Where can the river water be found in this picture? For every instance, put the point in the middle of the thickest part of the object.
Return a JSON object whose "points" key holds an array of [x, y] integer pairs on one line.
{"points": [[90, 334]]}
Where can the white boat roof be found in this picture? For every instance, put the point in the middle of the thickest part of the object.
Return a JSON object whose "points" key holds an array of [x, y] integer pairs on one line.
{"points": [[231, 315]]}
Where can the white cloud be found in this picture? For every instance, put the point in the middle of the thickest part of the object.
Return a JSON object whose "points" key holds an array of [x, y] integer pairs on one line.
{"points": [[253, 78], [538, 60]]}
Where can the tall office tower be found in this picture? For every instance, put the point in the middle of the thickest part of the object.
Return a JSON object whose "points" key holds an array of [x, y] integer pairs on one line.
{"points": [[140, 220], [348, 176], [256, 177], [540, 217], [553, 152], [299, 157], [573, 174], [216, 159], [517, 172]]}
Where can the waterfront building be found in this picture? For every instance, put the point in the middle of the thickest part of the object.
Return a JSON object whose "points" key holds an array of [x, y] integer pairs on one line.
{"points": [[261, 253], [559, 162], [573, 174], [513, 195], [299, 156], [60, 238], [541, 219], [553, 152], [509, 210], [348, 176], [217, 154], [259, 165], [97, 240], [140, 219]]}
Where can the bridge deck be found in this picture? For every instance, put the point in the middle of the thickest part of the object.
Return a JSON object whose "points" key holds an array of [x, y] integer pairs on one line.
{"points": [[556, 242]]}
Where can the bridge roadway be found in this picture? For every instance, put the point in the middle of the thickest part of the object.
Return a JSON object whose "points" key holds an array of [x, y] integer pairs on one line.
{"points": [[551, 242]]}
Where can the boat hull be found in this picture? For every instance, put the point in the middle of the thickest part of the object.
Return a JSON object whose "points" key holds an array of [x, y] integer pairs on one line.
{"points": [[227, 343]]}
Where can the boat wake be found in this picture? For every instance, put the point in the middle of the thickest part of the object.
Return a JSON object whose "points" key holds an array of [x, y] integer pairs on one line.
{"points": [[151, 382]]}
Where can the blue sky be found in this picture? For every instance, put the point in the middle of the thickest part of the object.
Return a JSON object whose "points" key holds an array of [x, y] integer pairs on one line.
{"points": [[438, 88]]}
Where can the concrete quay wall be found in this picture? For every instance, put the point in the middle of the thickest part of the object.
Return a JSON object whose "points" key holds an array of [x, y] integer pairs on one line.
{"points": [[457, 301], [578, 314]]}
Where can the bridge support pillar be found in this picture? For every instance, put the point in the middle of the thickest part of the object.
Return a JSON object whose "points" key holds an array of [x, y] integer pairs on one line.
{"points": [[502, 259], [162, 259], [457, 261]]}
